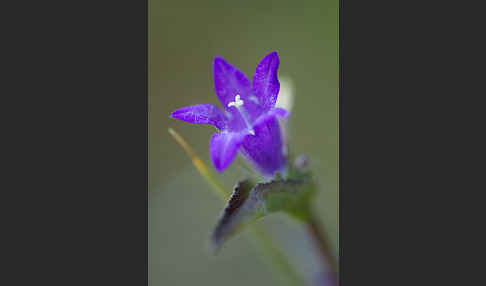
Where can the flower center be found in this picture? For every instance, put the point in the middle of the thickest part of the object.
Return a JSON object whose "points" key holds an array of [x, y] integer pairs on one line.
{"points": [[238, 103]]}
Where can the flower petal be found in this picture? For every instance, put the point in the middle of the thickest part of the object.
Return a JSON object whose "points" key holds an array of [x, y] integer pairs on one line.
{"points": [[229, 82], [265, 81], [265, 149], [277, 111], [223, 148], [201, 114]]}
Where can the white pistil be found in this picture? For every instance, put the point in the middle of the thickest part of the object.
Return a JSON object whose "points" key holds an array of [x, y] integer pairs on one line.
{"points": [[238, 103]]}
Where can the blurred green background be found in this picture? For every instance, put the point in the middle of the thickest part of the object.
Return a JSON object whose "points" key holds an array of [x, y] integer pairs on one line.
{"points": [[184, 36]]}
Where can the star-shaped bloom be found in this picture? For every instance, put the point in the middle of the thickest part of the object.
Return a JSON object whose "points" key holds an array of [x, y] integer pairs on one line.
{"points": [[248, 122]]}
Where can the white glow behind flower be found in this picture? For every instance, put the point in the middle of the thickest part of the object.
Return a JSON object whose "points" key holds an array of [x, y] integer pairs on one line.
{"points": [[285, 100], [285, 97]]}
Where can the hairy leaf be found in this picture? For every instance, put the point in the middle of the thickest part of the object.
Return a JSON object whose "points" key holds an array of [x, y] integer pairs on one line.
{"points": [[247, 204]]}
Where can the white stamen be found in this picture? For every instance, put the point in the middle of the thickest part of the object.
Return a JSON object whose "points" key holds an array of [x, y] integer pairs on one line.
{"points": [[237, 103]]}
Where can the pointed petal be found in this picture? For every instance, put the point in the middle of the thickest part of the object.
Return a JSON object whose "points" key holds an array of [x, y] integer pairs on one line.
{"points": [[272, 113], [201, 114], [265, 150], [265, 81], [223, 148], [229, 81]]}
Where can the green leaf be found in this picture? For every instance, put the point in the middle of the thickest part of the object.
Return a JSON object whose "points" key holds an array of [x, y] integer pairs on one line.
{"points": [[247, 204]]}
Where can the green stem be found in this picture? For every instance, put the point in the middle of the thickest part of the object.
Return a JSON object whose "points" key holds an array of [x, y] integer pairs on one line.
{"points": [[317, 234], [275, 255]]}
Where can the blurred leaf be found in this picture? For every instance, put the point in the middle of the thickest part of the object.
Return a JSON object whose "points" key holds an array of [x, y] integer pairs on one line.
{"points": [[247, 204]]}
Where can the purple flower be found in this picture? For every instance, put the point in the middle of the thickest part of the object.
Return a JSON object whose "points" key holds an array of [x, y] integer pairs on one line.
{"points": [[248, 122]]}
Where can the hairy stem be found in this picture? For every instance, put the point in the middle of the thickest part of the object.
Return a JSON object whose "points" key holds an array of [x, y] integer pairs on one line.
{"points": [[321, 243]]}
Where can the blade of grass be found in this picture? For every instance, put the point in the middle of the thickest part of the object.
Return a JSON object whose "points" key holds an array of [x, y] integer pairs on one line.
{"points": [[201, 167]]}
